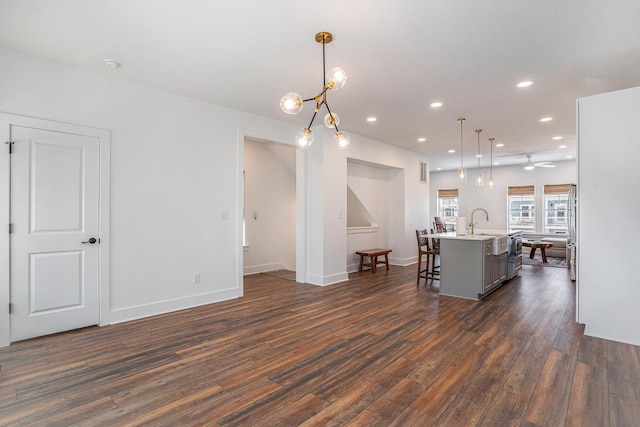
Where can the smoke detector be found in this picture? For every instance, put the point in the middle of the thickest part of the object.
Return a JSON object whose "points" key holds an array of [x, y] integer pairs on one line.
{"points": [[111, 63]]}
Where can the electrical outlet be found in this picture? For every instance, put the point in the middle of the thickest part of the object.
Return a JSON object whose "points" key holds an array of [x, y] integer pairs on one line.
{"points": [[196, 278]]}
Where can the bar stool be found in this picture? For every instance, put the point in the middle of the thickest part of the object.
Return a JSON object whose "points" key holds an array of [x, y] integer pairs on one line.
{"points": [[424, 248]]}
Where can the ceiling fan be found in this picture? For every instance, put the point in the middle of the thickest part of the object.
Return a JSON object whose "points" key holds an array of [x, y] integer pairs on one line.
{"points": [[531, 166]]}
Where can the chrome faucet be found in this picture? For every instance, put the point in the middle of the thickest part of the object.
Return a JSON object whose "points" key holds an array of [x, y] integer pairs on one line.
{"points": [[486, 214]]}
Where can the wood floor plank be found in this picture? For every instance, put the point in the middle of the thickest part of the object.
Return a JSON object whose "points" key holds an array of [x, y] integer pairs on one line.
{"points": [[550, 401], [623, 372], [470, 404], [390, 405], [439, 395], [624, 412], [375, 350], [589, 403]]}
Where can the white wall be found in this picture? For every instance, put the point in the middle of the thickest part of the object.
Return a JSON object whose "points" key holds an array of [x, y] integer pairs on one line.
{"points": [[495, 200], [608, 203], [175, 165], [270, 207]]}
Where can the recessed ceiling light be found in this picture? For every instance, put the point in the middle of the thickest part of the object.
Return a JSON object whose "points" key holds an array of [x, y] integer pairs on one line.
{"points": [[451, 151], [546, 119], [569, 157], [422, 139], [526, 83], [438, 169], [557, 138], [496, 163], [562, 146], [478, 155], [371, 119], [500, 145], [436, 104], [111, 63]]}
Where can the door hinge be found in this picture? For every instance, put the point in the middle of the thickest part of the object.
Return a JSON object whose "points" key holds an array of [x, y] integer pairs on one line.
{"points": [[10, 228], [10, 146], [10, 308]]}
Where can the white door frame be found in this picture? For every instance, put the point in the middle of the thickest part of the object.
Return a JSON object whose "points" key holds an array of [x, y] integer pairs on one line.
{"points": [[104, 137]]}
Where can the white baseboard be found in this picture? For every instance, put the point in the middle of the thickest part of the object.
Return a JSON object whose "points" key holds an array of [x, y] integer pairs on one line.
{"points": [[147, 310], [403, 262], [256, 269], [327, 280]]}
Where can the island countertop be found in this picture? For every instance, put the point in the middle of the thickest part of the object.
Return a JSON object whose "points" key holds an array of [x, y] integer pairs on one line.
{"points": [[455, 236]]}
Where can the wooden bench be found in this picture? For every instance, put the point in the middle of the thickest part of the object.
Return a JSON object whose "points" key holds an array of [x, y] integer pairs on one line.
{"points": [[373, 255]]}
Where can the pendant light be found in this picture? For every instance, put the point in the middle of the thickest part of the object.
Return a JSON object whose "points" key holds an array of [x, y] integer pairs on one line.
{"points": [[479, 180], [462, 173], [491, 167], [292, 102]]}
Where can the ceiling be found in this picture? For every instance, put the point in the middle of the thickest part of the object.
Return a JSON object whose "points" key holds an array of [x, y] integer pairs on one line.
{"points": [[399, 55]]}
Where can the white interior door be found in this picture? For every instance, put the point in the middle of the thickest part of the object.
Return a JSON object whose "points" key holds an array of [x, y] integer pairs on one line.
{"points": [[55, 184]]}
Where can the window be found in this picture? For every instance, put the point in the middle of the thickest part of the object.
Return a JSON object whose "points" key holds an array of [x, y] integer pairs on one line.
{"points": [[556, 209], [521, 207], [448, 207]]}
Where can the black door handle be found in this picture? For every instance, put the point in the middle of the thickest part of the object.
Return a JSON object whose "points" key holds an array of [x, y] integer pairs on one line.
{"points": [[91, 240]]}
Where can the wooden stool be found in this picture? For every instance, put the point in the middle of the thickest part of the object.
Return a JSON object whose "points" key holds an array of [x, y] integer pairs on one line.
{"points": [[538, 245], [373, 255]]}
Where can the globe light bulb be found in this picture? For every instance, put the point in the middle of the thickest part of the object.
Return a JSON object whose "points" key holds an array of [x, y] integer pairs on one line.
{"points": [[336, 78], [342, 139], [330, 121], [291, 103], [304, 138]]}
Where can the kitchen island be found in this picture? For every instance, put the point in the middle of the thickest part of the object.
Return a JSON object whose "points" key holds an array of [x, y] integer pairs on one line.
{"points": [[472, 266]]}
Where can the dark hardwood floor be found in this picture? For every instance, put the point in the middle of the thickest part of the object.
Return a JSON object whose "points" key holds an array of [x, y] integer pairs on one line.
{"points": [[373, 351]]}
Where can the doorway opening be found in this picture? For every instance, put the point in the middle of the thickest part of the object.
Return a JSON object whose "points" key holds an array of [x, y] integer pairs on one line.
{"points": [[269, 209]]}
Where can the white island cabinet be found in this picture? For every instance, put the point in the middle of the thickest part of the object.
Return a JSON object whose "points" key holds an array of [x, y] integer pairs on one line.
{"points": [[468, 266]]}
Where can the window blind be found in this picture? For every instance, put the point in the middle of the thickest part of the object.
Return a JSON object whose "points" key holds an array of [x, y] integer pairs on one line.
{"points": [[448, 193], [557, 189], [524, 190]]}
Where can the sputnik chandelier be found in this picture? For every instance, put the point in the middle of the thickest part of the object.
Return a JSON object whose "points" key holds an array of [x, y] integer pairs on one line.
{"points": [[292, 102]]}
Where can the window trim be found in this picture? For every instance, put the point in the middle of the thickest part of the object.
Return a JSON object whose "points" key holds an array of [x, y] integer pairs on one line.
{"points": [[523, 191], [450, 194]]}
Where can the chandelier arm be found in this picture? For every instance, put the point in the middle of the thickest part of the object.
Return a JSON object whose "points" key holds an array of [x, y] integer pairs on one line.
{"points": [[318, 96], [312, 118]]}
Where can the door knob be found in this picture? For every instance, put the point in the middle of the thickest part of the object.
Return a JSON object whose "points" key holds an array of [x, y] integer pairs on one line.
{"points": [[91, 240]]}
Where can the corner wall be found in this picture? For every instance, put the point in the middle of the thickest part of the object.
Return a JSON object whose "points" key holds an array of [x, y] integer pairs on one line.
{"points": [[608, 203]]}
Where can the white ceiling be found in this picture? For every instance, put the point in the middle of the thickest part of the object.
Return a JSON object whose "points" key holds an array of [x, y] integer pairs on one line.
{"points": [[399, 55]]}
